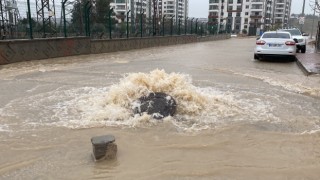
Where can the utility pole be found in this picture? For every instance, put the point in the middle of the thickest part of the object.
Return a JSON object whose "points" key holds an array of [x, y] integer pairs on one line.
{"points": [[304, 3]]}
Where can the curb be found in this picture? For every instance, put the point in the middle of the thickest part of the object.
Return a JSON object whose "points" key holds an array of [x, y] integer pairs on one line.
{"points": [[304, 69]]}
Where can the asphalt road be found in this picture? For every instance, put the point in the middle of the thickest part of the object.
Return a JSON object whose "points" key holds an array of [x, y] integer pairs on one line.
{"points": [[237, 118]]}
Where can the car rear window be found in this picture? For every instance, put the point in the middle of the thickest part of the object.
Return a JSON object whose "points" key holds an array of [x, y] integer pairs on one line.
{"points": [[276, 35], [294, 32]]}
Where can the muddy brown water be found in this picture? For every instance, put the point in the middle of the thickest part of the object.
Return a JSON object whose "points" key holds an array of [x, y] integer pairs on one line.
{"points": [[236, 119]]}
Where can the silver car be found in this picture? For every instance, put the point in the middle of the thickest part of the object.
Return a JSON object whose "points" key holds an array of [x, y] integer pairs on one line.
{"points": [[275, 43], [298, 36]]}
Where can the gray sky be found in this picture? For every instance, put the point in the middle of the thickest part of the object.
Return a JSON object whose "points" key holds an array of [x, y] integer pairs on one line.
{"points": [[199, 8]]}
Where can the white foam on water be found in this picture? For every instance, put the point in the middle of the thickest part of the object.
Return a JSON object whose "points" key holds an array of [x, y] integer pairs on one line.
{"points": [[4, 128], [288, 84], [87, 107]]}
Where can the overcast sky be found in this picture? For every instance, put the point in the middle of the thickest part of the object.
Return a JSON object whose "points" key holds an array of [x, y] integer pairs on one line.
{"points": [[199, 8]]}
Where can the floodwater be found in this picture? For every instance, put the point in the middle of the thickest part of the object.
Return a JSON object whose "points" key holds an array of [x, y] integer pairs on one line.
{"points": [[236, 118]]}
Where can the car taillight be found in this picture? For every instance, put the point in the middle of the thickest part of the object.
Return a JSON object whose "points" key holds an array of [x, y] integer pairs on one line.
{"points": [[290, 43], [260, 42]]}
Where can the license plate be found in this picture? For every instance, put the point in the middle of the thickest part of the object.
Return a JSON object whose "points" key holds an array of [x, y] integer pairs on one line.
{"points": [[275, 45]]}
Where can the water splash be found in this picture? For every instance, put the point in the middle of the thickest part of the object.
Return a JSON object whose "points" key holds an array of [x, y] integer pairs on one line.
{"points": [[198, 108]]}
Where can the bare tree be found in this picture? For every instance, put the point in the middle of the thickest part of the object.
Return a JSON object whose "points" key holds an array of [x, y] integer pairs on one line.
{"points": [[315, 5]]}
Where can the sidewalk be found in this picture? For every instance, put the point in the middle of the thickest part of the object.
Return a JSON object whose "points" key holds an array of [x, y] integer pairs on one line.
{"points": [[309, 62]]}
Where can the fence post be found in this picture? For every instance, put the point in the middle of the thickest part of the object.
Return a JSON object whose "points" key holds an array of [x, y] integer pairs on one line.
{"points": [[85, 17], [141, 24], [29, 19], [88, 16], [64, 18], [128, 23], [191, 25], [110, 24], [172, 23], [163, 24], [185, 26], [197, 26], [179, 25]]}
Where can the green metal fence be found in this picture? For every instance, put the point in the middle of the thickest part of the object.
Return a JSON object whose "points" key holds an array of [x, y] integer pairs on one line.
{"points": [[98, 21]]}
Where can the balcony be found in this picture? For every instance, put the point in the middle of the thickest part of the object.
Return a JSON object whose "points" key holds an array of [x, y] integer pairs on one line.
{"points": [[213, 16], [256, 8], [257, 1], [255, 22], [254, 15]]}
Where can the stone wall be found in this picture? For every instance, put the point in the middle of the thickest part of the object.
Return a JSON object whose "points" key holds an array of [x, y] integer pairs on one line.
{"points": [[24, 50]]}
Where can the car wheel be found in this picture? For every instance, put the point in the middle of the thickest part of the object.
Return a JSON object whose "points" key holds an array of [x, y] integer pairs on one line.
{"points": [[256, 57], [297, 51], [303, 49]]}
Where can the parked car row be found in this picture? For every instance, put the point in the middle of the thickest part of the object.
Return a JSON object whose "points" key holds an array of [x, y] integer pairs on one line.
{"points": [[283, 42]]}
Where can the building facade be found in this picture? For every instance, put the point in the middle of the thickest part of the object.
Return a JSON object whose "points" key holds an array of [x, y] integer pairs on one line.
{"points": [[151, 8], [249, 15]]}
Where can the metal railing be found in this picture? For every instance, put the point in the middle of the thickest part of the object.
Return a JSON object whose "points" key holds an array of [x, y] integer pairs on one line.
{"points": [[82, 18]]}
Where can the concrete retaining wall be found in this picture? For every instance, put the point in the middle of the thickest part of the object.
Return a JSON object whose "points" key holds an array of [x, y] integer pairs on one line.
{"points": [[24, 50], [213, 38], [105, 46]]}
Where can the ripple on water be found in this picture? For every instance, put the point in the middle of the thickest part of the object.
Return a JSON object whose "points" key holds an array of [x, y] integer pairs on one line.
{"points": [[198, 108]]}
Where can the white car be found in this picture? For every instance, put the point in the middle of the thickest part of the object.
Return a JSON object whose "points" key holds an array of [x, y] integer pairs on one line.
{"points": [[300, 40], [275, 43]]}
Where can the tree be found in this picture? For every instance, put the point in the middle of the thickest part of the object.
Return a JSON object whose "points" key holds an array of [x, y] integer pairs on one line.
{"points": [[315, 5], [244, 31], [77, 16], [102, 11]]}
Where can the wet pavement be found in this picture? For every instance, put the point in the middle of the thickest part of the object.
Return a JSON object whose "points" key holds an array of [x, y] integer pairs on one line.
{"points": [[236, 118], [309, 62]]}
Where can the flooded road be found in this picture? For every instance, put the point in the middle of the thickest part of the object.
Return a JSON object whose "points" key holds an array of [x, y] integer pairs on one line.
{"points": [[236, 119]]}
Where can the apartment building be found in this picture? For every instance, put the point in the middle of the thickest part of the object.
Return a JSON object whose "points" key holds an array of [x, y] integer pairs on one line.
{"points": [[159, 8], [136, 7], [176, 8], [251, 15]]}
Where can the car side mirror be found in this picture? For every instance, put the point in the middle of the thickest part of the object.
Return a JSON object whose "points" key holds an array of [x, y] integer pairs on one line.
{"points": [[258, 38], [295, 40], [305, 34]]}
